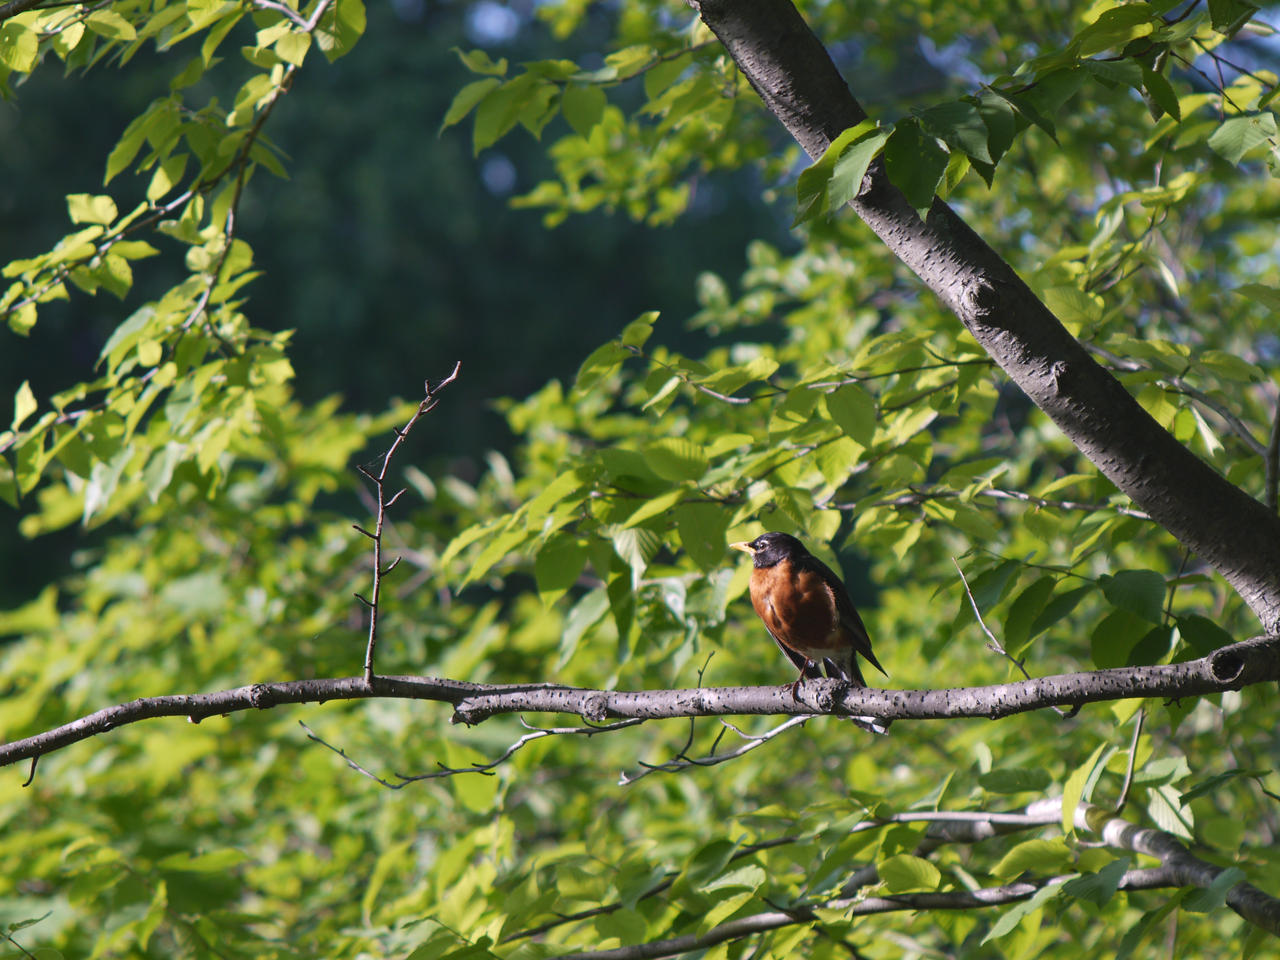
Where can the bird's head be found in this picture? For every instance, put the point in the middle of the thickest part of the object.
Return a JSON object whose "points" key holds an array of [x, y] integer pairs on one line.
{"points": [[770, 548]]}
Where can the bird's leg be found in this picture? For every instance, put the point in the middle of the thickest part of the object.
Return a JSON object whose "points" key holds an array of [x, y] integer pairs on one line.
{"points": [[795, 685]]}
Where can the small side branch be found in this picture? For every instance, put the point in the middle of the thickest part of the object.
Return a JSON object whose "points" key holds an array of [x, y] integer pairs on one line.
{"points": [[994, 645], [384, 502], [682, 760], [483, 766]]}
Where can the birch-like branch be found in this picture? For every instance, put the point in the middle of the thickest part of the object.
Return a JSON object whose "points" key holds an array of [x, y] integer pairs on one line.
{"points": [[1178, 867], [1230, 668]]}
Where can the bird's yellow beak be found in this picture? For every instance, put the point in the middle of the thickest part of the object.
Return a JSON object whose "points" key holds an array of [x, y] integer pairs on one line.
{"points": [[742, 545]]}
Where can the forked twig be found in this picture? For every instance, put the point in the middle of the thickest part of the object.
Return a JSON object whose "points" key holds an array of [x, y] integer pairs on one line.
{"points": [[484, 767], [379, 483], [997, 647], [682, 760]]}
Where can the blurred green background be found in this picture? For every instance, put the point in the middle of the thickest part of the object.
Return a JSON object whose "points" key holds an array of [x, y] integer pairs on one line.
{"points": [[387, 276]]}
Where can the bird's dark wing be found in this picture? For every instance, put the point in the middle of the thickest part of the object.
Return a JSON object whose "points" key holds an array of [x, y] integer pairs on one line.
{"points": [[848, 614], [810, 669]]}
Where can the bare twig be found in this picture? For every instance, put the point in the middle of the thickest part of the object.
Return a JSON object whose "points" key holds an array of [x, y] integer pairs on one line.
{"points": [[379, 482], [1272, 486], [996, 646], [1133, 753], [1228, 668], [482, 767], [682, 760], [916, 497]]}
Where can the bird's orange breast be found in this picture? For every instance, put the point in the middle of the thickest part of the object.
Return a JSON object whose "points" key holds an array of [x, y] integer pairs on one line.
{"points": [[798, 608]]}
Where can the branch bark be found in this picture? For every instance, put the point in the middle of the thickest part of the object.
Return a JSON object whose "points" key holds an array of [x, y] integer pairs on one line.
{"points": [[1230, 668], [1178, 868], [794, 76]]}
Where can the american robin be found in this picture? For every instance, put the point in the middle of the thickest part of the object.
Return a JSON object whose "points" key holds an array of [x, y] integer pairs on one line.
{"points": [[807, 610]]}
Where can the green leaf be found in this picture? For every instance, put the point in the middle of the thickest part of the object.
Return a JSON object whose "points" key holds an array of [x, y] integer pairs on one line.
{"points": [[466, 99], [557, 567], [1073, 789], [1114, 28], [477, 61], [1015, 780], [1042, 857], [498, 112], [24, 405], [1019, 911], [1058, 608], [1001, 120], [293, 47], [583, 106], [87, 208], [636, 546], [664, 73], [811, 187], [1205, 787], [730, 379], [1153, 647], [1228, 16], [1239, 135], [1098, 887], [109, 24], [349, 22], [1114, 637], [1141, 592], [1023, 611], [907, 874], [1149, 920], [851, 167], [19, 46], [550, 495], [702, 528], [639, 330], [584, 615], [599, 364], [655, 506], [1202, 635], [676, 459], [1161, 92], [1262, 293], [854, 410], [1070, 304], [215, 861], [915, 163], [1165, 807], [958, 124], [1214, 896]]}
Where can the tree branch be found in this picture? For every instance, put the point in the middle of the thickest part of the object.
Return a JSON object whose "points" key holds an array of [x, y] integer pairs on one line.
{"points": [[1178, 868], [1230, 668], [794, 76]]}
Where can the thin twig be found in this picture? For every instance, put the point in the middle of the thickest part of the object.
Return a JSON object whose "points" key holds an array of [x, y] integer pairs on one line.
{"points": [[996, 646], [379, 482], [1273, 465], [1133, 753], [482, 767], [916, 497], [682, 761]]}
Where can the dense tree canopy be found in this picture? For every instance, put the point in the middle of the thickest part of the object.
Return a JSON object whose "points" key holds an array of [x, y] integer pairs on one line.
{"points": [[1031, 414]]}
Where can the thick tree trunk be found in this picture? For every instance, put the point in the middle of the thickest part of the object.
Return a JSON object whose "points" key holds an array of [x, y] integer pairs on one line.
{"points": [[794, 76]]}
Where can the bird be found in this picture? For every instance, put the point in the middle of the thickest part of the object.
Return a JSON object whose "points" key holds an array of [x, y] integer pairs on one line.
{"points": [[807, 610]]}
